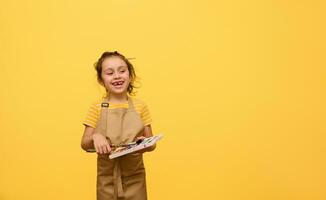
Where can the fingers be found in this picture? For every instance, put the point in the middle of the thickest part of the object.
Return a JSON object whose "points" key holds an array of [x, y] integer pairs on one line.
{"points": [[101, 144], [103, 148], [108, 148], [140, 138], [96, 148]]}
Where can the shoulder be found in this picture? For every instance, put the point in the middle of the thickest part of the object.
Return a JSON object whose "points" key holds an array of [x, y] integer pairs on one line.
{"points": [[142, 108], [136, 100], [96, 104], [138, 103], [93, 114]]}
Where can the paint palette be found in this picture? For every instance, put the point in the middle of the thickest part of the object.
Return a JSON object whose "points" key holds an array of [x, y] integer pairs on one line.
{"points": [[147, 142]]}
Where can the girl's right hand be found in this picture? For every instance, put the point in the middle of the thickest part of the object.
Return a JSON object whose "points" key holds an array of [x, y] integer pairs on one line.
{"points": [[101, 144]]}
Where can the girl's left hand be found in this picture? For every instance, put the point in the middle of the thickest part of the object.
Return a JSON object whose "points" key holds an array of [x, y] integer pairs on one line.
{"points": [[139, 138], [147, 133]]}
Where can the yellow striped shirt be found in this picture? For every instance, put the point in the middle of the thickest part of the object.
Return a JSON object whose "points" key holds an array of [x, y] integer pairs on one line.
{"points": [[95, 109]]}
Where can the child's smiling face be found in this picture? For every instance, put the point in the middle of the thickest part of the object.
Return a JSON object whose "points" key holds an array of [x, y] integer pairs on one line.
{"points": [[115, 75]]}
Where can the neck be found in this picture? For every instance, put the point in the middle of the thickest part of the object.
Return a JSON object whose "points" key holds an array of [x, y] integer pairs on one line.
{"points": [[118, 98]]}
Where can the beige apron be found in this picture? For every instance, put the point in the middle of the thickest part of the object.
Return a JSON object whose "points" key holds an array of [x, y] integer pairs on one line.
{"points": [[122, 177]]}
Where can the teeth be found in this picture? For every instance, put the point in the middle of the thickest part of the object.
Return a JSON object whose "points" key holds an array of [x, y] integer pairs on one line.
{"points": [[118, 83]]}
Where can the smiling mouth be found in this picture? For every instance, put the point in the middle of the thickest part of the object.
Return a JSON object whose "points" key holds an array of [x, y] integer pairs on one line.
{"points": [[118, 83]]}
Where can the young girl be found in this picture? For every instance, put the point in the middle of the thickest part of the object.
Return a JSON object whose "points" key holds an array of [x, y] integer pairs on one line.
{"points": [[116, 120]]}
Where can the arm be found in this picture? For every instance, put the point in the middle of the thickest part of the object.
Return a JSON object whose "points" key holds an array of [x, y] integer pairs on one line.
{"points": [[147, 133], [87, 139], [91, 140]]}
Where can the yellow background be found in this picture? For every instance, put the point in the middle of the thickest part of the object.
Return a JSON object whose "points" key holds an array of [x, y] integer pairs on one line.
{"points": [[237, 88]]}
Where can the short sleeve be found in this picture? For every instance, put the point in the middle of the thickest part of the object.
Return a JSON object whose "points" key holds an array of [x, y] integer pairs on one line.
{"points": [[145, 115], [92, 116]]}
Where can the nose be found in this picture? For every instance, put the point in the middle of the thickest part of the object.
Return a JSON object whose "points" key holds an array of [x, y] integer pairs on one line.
{"points": [[116, 75]]}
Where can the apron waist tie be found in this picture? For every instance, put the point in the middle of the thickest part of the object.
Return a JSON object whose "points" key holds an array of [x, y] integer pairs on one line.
{"points": [[118, 190]]}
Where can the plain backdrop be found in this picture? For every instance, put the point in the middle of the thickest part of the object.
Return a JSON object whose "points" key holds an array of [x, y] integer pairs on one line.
{"points": [[236, 87]]}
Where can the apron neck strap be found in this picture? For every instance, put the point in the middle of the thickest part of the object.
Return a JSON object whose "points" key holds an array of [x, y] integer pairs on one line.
{"points": [[130, 103]]}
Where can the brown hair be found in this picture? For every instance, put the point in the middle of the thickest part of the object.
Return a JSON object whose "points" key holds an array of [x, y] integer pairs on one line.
{"points": [[132, 74]]}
